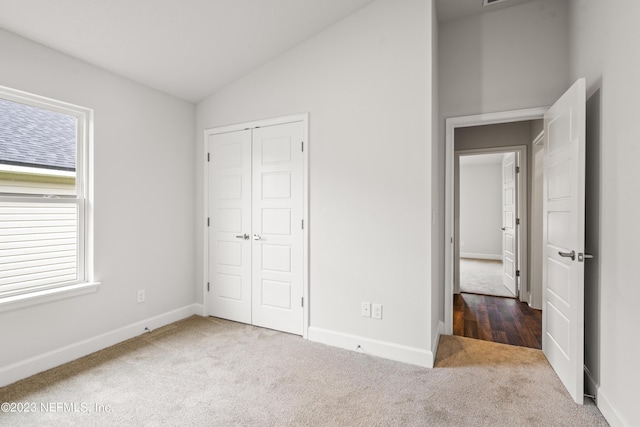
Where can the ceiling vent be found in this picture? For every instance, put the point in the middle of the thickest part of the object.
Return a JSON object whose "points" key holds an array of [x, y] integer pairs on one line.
{"points": [[490, 2]]}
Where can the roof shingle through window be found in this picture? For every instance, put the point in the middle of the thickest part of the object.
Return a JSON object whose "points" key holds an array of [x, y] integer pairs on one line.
{"points": [[35, 137]]}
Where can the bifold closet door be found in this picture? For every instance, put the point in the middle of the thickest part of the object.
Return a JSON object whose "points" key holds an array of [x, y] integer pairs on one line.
{"points": [[255, 231]]}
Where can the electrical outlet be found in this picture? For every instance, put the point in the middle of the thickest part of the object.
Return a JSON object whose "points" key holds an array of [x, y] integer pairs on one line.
{"points": [[377, 311], [141, 296], [365, 309]]}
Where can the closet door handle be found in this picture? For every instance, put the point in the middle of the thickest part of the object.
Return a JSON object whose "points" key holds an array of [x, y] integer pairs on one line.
{"points": [[257, 237], [571, 255], [243, 236]]}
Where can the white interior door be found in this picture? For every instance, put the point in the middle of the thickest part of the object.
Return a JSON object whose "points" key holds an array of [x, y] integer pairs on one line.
{"points": [[277, 273], [509, 226], [230, 225], [563, 238]]}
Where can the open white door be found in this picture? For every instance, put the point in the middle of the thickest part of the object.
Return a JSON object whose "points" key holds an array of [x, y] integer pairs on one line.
{"points": [[509, 218], [230, 225], [563, 238]]}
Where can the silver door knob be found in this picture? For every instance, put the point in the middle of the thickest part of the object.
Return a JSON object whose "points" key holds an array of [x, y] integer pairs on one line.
{"points": [[257, 237], [583, 256], [503, 228], [571, 255], [243, 236]]}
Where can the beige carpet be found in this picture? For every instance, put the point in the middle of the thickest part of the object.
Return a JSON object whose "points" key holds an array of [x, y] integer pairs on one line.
{"points": [[480, 276], [211, 372]]}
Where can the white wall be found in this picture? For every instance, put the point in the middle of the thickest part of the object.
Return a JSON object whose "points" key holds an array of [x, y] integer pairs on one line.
{"points": [[144, 204], [437, 221], [605, 50], [481, 210], [504, 60], [366, 83]]}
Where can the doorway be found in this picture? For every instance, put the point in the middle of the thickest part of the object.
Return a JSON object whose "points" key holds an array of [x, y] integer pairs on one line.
{"points": [[452, 253], [453, 124], [492, 293]]}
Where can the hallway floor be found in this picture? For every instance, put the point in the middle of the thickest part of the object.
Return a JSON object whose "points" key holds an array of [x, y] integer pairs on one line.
{"points": [[496, 319]]}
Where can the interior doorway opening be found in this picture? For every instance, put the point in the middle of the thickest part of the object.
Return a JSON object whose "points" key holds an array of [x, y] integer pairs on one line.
{"points": [[491, 300], [485, 314]]}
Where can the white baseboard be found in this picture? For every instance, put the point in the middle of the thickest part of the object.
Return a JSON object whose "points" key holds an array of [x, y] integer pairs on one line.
{"points": [[384, 349], [25, 368], [495, 257], [613, 417]]}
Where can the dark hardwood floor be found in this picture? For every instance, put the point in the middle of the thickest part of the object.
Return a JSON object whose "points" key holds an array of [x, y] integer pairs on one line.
{"points": [[503, 320]]}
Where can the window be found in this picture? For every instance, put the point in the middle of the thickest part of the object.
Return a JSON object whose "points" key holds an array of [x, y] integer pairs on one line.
{"points": [[44, 183]]}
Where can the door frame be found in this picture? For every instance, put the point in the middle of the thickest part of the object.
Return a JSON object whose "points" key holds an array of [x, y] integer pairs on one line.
{"points": [[521, 198], [304, 118], [451, 124]]}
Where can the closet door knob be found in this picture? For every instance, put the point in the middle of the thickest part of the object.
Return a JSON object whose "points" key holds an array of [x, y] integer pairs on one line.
{"points": [[243, 236], [257, 237], [571, 255]]}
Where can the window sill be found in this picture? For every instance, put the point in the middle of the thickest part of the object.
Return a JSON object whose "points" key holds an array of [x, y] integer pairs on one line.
{"points": [[48, 295]]}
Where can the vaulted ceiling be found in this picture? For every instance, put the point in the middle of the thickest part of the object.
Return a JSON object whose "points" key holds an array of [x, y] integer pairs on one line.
{"points": [[187, 48]]}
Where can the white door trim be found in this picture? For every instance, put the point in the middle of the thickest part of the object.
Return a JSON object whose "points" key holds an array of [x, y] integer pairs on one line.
{"points": [[304, 118], [451, 124]]}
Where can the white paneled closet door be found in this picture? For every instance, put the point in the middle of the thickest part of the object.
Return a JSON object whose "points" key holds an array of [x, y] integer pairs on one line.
{"points": [[230, 225], [277, 227], [256, 240]]}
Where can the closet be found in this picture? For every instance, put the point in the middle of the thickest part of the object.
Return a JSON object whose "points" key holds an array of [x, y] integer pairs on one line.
{"points": [[255, 223]]}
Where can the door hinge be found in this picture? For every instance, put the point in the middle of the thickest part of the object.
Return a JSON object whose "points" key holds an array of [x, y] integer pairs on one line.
{"points": [[302, 222], [517, 169], [208, 286], [517, 273], [208, 157], [302, 145], [302, 302], [517, 221], [208, 222]]}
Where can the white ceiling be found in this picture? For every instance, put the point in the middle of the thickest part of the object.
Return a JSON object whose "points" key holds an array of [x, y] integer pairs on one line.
{"points": [[450, 10], [187, 48], [481, 159]]}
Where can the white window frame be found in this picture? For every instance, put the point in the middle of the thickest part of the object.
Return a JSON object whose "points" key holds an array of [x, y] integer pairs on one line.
{"points": [[29, 295]]}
